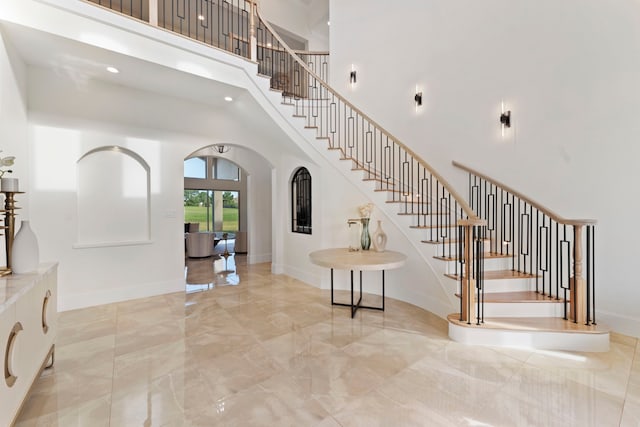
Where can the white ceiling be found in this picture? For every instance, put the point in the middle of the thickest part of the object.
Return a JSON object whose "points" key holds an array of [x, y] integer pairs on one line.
{"points": [[81, 61]]}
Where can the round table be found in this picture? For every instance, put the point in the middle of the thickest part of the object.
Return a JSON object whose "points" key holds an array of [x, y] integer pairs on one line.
{"points": [[344, 259]]}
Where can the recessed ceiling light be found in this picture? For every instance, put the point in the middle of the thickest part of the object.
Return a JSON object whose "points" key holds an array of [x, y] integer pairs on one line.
{"points": [[113, 70], [201, 17], [228, 98], [268, 44]]}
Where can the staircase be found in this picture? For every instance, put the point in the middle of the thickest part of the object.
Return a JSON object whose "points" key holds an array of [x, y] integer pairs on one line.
{"points": [[515, 267]]}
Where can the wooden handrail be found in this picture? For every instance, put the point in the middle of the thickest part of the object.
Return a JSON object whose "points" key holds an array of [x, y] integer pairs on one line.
{"points": [[540, 207], [310, 52], [461, 200]]}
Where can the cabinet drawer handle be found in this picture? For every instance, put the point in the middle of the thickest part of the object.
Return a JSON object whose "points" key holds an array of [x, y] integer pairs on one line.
{"points": [[45, 305], [9, 378]]}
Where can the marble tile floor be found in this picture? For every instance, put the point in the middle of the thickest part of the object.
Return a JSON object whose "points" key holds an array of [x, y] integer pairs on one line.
{"points": [[271, 351]]}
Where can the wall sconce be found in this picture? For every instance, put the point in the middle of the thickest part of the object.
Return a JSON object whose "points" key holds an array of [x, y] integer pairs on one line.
{"points": [[352, 77], [418, 99], [505, 119]]}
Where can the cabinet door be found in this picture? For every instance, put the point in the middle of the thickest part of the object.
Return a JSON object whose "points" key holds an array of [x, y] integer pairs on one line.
{"points": [[8, 398], [51, 286], [46, 304], [27, 356]]}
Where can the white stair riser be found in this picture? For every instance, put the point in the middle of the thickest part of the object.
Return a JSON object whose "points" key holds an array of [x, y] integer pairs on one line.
{"points": [[524, 309], [505, 285], [447, 250], [530, 339], [489, 264]]}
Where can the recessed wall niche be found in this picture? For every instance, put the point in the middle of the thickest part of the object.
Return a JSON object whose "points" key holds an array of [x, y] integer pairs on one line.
{"points": [[113, 198]]}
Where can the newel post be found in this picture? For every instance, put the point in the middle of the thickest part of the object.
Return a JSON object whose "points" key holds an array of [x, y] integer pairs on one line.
{"points": [[467, 281], [253, 40], [578, 282]]}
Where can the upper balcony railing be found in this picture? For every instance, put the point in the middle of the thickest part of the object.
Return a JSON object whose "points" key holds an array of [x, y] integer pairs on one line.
{"points": [[225, 24]]}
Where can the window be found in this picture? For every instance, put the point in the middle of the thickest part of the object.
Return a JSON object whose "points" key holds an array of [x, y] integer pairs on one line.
{"points": [[212, 194], [214, 210], [225, 170], [195, 167], [301, 202]]}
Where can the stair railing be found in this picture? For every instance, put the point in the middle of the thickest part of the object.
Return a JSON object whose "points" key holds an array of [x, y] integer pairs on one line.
{"points": [[236, 26], [539, 242], [410, 182]]}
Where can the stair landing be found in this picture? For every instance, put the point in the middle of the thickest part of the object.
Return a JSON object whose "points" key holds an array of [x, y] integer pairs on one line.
{"points": [[549, 333]]}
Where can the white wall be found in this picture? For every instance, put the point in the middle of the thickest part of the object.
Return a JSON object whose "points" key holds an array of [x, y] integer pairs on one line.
{"points": [[567, 71], [259, 188], [336, 194], [13, 126], [308, 21]]}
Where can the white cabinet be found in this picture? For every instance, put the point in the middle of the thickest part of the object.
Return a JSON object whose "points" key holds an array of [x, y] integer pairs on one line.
{"points": [[7, 399], [28, 325]]}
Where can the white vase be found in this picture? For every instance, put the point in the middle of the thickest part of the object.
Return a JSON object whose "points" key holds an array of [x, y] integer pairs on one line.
{"points": [[9, 185], [379, 238], [25, 255]]}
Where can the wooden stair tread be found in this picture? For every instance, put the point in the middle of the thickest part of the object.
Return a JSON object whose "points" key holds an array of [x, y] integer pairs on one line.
{"points": [[381, 180], [410, 202], [429, 227], [440, 242], [487, 255], [517, 296], [423, 214], [498, 274], [539, 324], [445, 241]]}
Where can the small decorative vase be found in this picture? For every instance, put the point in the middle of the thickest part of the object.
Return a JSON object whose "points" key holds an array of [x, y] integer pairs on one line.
{"points": [[379, 238], [365, 238], [9, 185], [25, 255]]}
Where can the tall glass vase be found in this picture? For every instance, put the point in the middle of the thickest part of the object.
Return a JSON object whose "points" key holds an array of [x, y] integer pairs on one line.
{"points": [[365, 238]]}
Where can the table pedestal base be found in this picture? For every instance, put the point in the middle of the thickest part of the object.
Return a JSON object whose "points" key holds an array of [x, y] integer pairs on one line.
{"points": [[357, 305]]}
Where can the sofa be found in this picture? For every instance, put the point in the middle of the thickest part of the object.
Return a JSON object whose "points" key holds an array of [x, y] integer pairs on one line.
{"points": [[200, 244]]}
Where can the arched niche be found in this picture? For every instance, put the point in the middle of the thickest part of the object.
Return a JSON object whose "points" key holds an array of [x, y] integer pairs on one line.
{"points": [[113, 198]]}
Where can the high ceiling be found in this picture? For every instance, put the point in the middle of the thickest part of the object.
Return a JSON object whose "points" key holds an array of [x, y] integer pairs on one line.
{"points": [[81, 62]]}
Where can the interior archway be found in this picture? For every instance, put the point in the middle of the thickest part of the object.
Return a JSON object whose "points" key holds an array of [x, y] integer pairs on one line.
{"points": [[227, 211]]}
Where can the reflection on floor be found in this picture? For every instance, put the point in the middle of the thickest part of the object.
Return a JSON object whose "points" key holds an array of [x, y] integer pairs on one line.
{"points": [[220, 269], [206, 273], [272, 351]]}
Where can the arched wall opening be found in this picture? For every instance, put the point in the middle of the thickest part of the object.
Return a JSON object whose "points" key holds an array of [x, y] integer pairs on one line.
{"points": [[253, 185]]}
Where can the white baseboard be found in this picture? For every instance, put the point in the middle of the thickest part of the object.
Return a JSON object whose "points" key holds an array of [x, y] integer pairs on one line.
{"points": [[624, 325], [277, 268], [426, 302], [89, 299], [305, 276], [258, 258]]}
